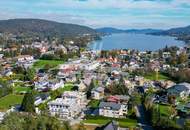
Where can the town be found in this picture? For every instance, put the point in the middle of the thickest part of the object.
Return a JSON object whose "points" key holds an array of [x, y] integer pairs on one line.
{"points": [[92, 89]]}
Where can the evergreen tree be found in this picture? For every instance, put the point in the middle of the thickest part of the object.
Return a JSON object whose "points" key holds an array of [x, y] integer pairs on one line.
{"points": [[28, 103]]}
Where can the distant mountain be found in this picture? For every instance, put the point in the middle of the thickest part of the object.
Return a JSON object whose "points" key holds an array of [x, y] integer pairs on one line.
{"points": [[115, 30], [182, 33], [143, 31], [109, 30], [176, 31], [40, 27]]}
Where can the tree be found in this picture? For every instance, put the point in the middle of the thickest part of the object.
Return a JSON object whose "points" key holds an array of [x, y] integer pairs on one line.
{"points": [[182, 58], [119, 88], [12, 122], [28, 102], [89, 89], [81, 127], [187, 124], [30, 74], [66, 126], [18, 121]]}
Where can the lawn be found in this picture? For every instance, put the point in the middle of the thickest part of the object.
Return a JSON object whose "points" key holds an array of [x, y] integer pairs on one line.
{"points": [[20, 89], [52, 63], [98, 121], [164, 109], [127, 123], [94, 103], [152, 76], [10, 100], [67, 87]]}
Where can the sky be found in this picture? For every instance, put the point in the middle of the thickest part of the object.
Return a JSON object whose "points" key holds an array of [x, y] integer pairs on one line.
{"points": [[124, 14]]}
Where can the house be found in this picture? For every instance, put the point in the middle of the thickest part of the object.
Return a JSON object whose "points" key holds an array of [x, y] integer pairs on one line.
{"points": [[166, 55], [2, 114], [41, 85], [53, 85], [111, 109], [7, 72], [69, 106], [41, 98], [82, 87], [180, 90], [25, 58], [97, 93], [66, 109], [79, 96], [92, 65], [118, 99]]}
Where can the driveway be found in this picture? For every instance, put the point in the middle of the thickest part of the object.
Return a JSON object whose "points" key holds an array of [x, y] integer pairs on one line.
{"points": [[140, 113]]}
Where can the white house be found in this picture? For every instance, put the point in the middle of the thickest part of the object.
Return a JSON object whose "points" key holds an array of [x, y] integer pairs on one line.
{"points": [[42, 98], [2, 114], [111, 109], [25, 58], [55, 85], [97, 93]]}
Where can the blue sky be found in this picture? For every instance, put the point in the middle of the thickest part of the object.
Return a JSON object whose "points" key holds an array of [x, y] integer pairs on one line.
{"points": [[102, 13]]}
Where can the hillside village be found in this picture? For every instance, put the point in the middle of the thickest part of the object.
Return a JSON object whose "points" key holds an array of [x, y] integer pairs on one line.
{"points": [[118, 89]]}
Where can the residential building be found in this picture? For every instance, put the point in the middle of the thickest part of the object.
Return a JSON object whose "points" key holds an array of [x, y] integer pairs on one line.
{"points": [[70, 106], [180, 90], [97, 93], [111, 109]]}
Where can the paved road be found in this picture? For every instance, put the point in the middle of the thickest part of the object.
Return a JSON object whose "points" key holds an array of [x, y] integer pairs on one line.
{"points": [[141, 118]]}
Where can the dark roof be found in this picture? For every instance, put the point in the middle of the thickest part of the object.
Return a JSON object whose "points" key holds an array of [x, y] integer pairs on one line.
{"points": [[111, 105], [178, 88]]}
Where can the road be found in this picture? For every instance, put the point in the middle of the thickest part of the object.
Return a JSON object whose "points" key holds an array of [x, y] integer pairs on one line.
{"points": [[140, 112]]}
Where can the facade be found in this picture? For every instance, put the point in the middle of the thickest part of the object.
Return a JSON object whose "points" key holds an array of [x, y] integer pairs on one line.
{"points": [[180, 90], [111, 109], [69, 106], [97, 93]]}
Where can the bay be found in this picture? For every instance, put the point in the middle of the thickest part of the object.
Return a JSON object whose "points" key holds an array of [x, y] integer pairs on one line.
{"points": [[141, 42]]}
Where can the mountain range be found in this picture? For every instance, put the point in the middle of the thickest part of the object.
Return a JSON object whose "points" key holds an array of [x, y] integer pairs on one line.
{"points": [[110, 30], [44, 28], [38, 27]]}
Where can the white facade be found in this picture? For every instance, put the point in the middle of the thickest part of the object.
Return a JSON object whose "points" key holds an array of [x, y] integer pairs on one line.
{"points": [[69, 106], [97, 93], [114, 110]]}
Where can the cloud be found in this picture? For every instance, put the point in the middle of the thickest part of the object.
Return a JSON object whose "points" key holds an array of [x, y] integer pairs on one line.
{"points": [[98, 13]]}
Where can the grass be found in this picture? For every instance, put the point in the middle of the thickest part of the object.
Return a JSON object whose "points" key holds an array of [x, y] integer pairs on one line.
{"points": [[67, 87], [20, 89], [94, 121], [10, 100], [127, 123], [42, 63], [94, 103], [152, 76], [164, 109]]}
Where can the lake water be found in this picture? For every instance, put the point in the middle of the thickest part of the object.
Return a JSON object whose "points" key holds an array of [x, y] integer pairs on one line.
{"points": [[140, 42]]}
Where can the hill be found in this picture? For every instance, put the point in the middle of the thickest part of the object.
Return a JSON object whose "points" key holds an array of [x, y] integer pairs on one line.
{"points": [[115, 30], [38, 27], [109, 30], [182, 33]]}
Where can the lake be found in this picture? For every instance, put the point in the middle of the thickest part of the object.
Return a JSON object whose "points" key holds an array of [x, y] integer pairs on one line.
{"points": [[141, 42]]}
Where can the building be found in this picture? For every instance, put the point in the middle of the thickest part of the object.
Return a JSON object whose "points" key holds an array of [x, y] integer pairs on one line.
{"points": [[25, 58], [70, 106], [111, 109], [180, 90], [97, 93], [2, 114], [41, 98]]}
